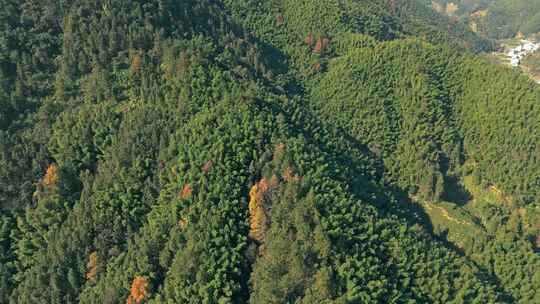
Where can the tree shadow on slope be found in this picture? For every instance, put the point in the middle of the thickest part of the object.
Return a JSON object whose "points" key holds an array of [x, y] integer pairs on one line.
{"points": [[353, 157], [364, 169], [455, 192]]}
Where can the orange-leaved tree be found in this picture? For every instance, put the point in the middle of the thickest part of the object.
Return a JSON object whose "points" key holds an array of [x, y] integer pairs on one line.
{"points": [[139, 290], [186, 191], [257, 210], [52, 176], [321, 45]]}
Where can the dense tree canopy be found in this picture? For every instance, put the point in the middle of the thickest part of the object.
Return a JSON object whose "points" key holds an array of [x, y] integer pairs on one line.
{"points": [[275, 151]]}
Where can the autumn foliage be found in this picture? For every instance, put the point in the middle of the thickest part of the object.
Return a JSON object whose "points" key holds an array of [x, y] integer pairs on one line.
{"points": [[280, 19], [136, 63], [92, 266], [321, 45], [289, 175], [139, 290], [207, 166], [183, 223], [257, 216], [451, 8], [52, 176], [186, 191]]}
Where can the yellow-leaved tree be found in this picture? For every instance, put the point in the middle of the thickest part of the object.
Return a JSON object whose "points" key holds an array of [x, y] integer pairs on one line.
{"points": [[52, 176], [257, 216], [451, 8], [92, 266]]}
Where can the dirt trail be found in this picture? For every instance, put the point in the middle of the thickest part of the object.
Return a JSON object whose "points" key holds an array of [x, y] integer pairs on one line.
{"points": [[431, 206], [445, 214]]}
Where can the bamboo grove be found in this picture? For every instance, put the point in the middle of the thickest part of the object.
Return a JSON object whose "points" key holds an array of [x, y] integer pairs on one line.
{"points": [[280, 151]]}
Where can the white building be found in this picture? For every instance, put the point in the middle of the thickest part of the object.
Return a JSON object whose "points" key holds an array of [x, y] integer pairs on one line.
{"points": [[518, 53]]}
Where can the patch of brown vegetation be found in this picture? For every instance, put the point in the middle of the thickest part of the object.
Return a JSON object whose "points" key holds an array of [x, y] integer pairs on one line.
{"points": [[186, 191]]}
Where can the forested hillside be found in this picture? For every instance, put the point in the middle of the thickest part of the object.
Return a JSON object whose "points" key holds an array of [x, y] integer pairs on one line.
{"points": [[497, 19], [280, 151]]}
